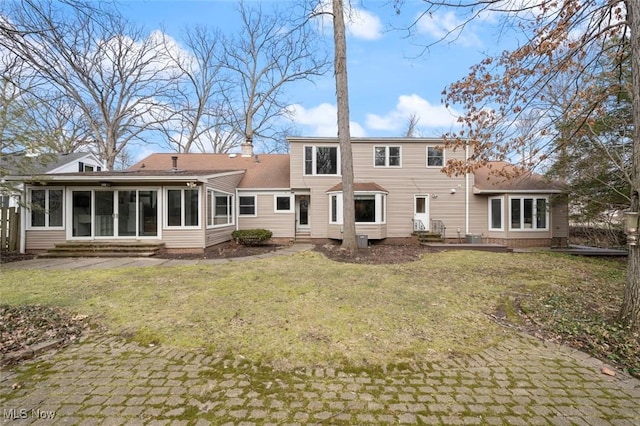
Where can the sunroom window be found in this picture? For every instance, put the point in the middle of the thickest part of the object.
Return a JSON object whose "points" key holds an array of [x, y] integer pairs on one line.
{"points": [[219, 208], [46, 208], [182, 207]]}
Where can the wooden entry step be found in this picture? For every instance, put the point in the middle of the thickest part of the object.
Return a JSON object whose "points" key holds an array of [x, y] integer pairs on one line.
{"points": [[104, 249]]}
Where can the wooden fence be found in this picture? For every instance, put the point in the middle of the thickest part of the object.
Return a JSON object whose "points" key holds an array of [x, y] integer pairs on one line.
{"points": [[9, 229]]}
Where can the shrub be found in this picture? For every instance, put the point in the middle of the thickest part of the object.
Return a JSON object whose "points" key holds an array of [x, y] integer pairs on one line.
{"points": [[251, 237]]}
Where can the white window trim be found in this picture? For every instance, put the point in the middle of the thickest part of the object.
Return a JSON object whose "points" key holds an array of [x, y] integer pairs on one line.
{"points": [[381, 207], [275, 203], [46, 209], [535, 209], [444, 158], [314, 160], [182, 209], [489, 210], [255, 205], [210, 209], [386, 156]]}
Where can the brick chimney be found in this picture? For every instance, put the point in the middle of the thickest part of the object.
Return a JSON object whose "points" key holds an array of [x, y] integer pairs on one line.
{"points": [[247, 148]]}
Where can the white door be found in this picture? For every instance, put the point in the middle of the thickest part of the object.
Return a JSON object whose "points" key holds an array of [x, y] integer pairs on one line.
{"points": [[421, 213], [302, 213]]}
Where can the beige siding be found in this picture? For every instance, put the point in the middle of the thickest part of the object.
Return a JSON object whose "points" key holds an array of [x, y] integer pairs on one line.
{"points": [[560, 216], [373, 231], [215, 236], [402, 184], [183, 238], [281, 224], [227, 183], [44, 239]]}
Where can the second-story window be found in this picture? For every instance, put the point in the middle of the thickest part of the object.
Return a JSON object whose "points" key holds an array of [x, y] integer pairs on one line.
{"points": [[387, 156], [320, 160], [435, 156]]}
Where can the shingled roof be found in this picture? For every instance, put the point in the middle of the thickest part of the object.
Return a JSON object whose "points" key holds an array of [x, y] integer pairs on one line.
{"points": [[500, 176], [261, 171]]}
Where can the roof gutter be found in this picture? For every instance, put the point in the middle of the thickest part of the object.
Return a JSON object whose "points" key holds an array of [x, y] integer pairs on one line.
{"points": [[516, 191]]}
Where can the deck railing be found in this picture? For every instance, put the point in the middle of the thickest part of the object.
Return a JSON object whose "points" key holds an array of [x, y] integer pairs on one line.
{"points": [[437, 227]]}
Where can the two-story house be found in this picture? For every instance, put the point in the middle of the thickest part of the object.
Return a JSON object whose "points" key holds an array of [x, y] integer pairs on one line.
{"points": [[190, 202]]}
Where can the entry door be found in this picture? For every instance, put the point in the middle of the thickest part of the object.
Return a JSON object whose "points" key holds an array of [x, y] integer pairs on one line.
{"points": [[302, 212], [421, 213]]}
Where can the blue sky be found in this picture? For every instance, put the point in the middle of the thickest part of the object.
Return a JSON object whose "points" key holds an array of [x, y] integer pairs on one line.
{"points": [[389, 76]]}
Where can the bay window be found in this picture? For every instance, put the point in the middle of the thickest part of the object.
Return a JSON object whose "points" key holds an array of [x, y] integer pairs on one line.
{"points": [[369, 207]]}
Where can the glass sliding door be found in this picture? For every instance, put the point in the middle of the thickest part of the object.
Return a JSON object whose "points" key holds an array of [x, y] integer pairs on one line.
{"points": [[127, 205], [125, 213], [104, 214], [148, 212], [82, 213]]}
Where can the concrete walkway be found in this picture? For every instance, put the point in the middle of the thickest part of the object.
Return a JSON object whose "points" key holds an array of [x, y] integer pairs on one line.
{"points": [[107, 381], [127, 262]]}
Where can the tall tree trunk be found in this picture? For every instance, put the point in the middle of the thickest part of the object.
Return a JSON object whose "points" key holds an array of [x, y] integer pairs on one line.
{"points": [[344, 135], [630, 312]]}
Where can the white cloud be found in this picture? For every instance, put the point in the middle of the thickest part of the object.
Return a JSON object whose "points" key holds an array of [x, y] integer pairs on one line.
{"points": [[364, 25], [321, 120], [433, 116], [360, 23], [448, 26]]}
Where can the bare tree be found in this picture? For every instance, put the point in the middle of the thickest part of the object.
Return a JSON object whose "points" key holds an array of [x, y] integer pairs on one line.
{"points": [[113, 72], [564, 38], [269, 53], [412, 126], [199, 119], [630, 311], [344, 134]]}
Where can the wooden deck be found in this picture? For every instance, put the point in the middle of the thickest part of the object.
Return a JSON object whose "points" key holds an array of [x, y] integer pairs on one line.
{"points": [[496, 248], [591, 251]]}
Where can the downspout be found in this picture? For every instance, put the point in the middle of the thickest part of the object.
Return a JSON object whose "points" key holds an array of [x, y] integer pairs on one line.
{"points": [[466, 189], [236, 210], [23, 220]]}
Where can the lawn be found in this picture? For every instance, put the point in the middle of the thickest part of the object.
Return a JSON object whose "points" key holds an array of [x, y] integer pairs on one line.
{"points": [[306, 310]]}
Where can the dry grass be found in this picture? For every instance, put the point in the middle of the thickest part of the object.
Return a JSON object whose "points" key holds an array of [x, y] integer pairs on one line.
{"points": [[306, 310]]}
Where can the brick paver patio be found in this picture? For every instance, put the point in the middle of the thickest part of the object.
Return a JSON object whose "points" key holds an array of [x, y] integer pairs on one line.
{"points": [[104, 380]]}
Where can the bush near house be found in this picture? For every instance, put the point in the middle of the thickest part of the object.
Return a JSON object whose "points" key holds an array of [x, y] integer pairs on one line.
{"points": [[251, 237]]}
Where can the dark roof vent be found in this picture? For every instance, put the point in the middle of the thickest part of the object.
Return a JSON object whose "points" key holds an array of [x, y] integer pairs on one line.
{"points": [[174, 163]]}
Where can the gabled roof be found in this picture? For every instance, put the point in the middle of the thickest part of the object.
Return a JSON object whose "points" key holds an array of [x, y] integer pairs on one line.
{"points": [[267, 171], [360, 187], [500, 176], [20, 164]]}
